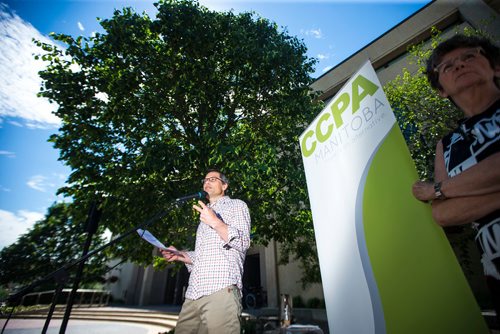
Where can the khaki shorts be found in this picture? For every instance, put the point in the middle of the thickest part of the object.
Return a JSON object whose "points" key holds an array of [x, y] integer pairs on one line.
{"points": [[218, 313]]}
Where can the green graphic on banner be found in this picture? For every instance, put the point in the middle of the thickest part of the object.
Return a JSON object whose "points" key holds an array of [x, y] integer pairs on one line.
{"points": [[420, 283]]}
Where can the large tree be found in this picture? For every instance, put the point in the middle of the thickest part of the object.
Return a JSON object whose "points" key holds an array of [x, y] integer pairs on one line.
{"points": [[52, 243], [150, 104]]}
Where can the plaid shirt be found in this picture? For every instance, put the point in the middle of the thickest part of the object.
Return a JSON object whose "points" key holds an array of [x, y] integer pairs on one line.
{"points": [[216, 263]]}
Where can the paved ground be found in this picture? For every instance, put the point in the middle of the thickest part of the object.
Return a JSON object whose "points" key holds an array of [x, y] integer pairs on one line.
{"points": [[34, 326]]}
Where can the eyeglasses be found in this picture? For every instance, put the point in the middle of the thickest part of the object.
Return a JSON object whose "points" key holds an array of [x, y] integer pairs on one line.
{"points": [[211, 179], [467, 56]]}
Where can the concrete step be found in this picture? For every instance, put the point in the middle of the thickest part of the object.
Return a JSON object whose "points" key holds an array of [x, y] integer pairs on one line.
{"points": [[157, 318]]}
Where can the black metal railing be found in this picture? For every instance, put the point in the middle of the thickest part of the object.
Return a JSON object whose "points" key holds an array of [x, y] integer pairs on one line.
{"points": [[83, 298]]}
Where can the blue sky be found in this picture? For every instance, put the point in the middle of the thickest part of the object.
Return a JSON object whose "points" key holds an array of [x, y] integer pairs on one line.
{"points": [[30, 172]]}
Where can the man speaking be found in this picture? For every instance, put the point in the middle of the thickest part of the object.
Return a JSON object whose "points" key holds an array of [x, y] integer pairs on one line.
{"points": [[213, 297]]}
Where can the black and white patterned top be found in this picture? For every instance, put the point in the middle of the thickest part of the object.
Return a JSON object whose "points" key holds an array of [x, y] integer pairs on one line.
{"points": [[218, 264], [475, 139]]}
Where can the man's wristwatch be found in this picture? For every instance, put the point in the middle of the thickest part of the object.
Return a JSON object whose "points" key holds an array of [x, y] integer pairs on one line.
{"points": [[437, 191]]}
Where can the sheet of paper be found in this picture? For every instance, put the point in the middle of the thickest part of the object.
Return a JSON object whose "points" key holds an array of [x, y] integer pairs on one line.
{"points": [[146, 235]]}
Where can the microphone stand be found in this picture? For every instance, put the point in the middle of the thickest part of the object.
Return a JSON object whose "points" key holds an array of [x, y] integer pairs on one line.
{"points": [[92, 222], [61, 278], [60, 273]]}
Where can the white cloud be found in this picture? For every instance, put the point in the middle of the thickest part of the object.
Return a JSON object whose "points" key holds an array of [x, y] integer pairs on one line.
{"points": [[323, 56], [40, 183], [102, 96], [15, 123], [107, 235], [315, 33], [48, 184], [327, 69], [8, 154], [19, 80], [81, 27], [15, 224]]}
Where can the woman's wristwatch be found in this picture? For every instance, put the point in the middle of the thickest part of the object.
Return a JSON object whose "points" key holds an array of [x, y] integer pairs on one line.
{"points": [[437, 191]]}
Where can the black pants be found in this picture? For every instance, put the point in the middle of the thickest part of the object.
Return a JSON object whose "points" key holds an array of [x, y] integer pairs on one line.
{"points": [[494, 286]]}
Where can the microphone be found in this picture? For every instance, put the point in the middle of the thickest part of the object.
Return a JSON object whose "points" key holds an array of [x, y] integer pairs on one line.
{"points": [[199, 195]]}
